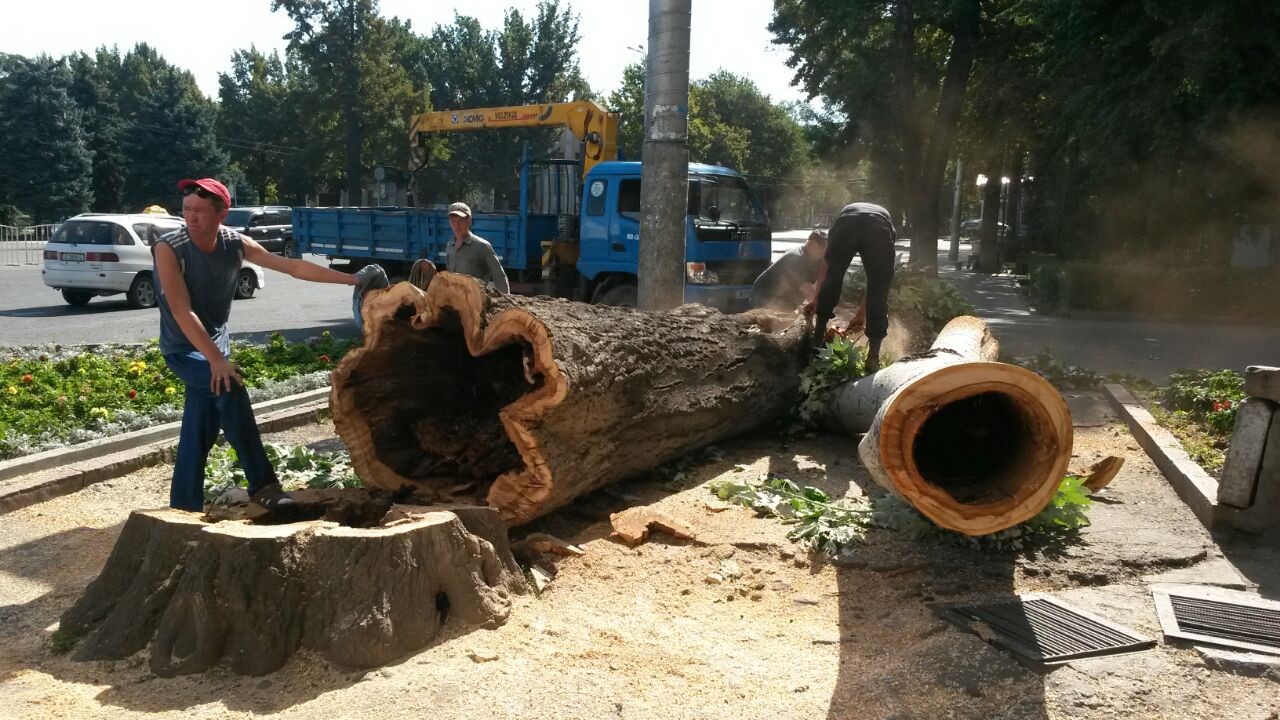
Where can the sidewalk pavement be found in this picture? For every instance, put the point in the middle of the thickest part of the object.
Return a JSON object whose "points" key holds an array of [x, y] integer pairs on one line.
{"points": [[1150, 349]]}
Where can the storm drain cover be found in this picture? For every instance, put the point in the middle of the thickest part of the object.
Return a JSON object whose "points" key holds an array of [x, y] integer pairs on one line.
{"points": [[1216, 616], [1042, 629]]}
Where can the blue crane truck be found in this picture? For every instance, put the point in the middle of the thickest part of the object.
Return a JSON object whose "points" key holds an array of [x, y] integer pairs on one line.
{"points": [[568, 239]]}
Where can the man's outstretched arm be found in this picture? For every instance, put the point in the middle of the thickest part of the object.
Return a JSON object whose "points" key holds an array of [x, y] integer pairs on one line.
{"points": [[301, 269]]}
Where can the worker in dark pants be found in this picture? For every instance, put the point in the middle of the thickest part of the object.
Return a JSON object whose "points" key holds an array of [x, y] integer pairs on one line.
{"points": [[867, 231]]}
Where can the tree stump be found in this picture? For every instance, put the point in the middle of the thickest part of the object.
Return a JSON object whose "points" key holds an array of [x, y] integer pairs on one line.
{"points": [[250, 595], [526, 403], [975, 445]]}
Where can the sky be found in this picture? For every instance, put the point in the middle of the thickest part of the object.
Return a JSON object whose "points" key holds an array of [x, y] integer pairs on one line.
{"points": [[725, 34]]}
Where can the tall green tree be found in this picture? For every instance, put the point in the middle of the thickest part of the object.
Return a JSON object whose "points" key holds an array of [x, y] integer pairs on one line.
{"points": [[169, 130], [47, 168], [899, 70], [1155, 137], [526, 61], [628, 101], [733, 123], [345, 50], [254, 120], [91, 89]]}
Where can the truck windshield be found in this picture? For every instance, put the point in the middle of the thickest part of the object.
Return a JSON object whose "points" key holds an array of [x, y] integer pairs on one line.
{"points": [[724, 199]]}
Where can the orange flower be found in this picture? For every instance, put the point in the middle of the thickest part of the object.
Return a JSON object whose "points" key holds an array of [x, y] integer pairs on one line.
{"points": [[324, 359], [27, 378], [133, 394]]}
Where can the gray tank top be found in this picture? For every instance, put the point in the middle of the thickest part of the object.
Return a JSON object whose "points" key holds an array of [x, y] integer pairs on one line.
{"points": [[211, 284]]}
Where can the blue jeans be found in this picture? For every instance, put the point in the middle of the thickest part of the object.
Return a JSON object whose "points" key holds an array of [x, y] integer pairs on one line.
{"points": [[202, 416]]}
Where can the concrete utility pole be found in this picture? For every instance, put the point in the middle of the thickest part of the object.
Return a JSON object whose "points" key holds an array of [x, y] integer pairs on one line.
{"points": [[954, 253], [664, 176]]}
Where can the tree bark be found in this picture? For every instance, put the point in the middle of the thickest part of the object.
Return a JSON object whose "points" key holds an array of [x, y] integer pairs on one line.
{"points": [[928, 188], [527, 403], [975, 445], [248, 596]]}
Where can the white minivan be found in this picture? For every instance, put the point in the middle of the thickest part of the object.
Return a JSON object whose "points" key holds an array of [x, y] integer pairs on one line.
{"points": [[107, 254]]}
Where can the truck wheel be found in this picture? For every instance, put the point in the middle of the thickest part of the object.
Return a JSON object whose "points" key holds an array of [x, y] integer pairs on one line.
{"points": [[619, 296], [76, 298], [290, 249], [142, 293], [246, 285]]}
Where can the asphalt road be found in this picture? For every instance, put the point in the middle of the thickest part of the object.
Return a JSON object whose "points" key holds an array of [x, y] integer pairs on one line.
{"points": [[32, 314]]}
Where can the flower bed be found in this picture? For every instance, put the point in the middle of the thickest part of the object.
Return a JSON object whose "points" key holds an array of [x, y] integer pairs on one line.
{"points": [[55, 396], [1199, 407]]}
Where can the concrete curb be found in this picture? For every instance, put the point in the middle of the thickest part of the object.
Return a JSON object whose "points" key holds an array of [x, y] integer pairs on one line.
{"points": [[1196, 487], [35, 478]]}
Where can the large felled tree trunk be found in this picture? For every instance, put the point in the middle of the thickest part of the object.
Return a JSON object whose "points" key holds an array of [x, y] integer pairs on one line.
{"points": [[527, 403], [975, 445], [248, 596]]}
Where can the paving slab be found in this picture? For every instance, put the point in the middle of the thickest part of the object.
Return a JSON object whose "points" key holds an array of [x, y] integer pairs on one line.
{"points": [[1244, 456], [1264, 513]]}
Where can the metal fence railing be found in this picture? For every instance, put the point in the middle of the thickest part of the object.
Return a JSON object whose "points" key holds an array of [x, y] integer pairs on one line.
{"points": [[25, 245]]}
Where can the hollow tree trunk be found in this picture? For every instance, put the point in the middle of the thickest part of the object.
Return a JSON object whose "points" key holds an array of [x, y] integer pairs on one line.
{"points": [[975, 445], [248, 596], [527, 403]]}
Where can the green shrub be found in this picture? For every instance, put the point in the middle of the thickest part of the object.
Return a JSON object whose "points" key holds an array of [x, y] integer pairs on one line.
{"points": [[296, 467], [1210, 397]]}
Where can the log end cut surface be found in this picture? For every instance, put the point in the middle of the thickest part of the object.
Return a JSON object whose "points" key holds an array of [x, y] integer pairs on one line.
{"points": [[977, 447]]}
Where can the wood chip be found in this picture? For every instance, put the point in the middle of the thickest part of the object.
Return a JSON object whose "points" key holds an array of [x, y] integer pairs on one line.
{"points": [[541, 578], [1103, 472], [542, 542], [632, 526], [482, 656]]}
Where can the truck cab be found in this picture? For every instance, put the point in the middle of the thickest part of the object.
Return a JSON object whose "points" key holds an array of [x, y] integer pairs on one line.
{"points": [[727, 237]]}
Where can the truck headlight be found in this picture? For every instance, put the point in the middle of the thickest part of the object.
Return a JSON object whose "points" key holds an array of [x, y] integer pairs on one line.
{"points": [[698, 274]]}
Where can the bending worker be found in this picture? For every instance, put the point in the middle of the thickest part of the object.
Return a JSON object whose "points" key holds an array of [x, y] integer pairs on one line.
{"points": [[866, 230], [789, 281]]}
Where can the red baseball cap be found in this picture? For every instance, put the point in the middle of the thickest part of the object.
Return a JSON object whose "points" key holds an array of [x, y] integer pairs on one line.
{"points": [[209, 185]]}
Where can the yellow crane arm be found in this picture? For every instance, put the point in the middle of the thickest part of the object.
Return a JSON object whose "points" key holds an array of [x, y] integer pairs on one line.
{"points": [[595, 126]]}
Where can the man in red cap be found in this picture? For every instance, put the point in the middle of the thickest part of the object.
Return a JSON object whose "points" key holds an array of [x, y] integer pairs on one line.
{"points": [[197, 269]]}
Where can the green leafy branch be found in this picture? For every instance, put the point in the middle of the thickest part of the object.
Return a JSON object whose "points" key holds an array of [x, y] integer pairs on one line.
{"points": [[837, 363], [820, 523], [296, 466], [829, 526]]}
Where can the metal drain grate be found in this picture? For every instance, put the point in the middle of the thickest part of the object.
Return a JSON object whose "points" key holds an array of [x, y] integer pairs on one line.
{"points": [[1216, 616], [1043, 629]]}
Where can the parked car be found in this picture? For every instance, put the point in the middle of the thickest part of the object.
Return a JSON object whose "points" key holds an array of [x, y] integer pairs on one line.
{"points": [[108, 254], [270, 225], [972, 227]]}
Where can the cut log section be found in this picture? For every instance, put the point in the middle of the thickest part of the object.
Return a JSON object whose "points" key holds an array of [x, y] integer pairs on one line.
{"points": [[201, 594], [527, 403], [975, 445]]}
